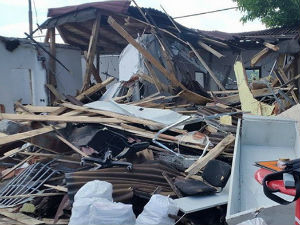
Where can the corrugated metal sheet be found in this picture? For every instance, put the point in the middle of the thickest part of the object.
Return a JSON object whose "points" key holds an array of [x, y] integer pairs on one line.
{"points": [[143, 177], [111, 6]]}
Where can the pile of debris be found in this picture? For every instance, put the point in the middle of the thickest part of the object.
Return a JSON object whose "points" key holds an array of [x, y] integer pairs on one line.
{"points": [[139, 150], [156, 131]]}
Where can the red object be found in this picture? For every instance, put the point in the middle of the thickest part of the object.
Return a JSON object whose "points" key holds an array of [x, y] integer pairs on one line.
{"points": [[279, 185], [111, 6]]}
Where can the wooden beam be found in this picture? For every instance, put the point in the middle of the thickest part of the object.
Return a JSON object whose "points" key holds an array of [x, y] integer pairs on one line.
{"points": [[71, 145], [47, 36], [233, 99], [55, 92], [84, 33], [194, 97], [39, 109], [58, 187], [94, 70], [52, 63], [211, 73], [114, 115], [28, 134], [91, 52], [255, 59], [171, 184], [30, 195], [62, 118], [22, 218], [210, 49], [212, 154], [92, 90], [159, 85], [275, 48], [144, 52], [285, 79], [6, 172]]}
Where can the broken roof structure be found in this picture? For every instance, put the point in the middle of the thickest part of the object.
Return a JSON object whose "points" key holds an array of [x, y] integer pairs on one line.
{"points": [[74, 24], [118, 18]]}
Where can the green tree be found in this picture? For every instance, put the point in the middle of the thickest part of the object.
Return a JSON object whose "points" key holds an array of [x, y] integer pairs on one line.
{"points": [[273, 13]]}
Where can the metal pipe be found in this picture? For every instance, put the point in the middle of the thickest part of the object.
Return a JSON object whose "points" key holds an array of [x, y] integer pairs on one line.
{"points": [[154, 140], [30, 17]]}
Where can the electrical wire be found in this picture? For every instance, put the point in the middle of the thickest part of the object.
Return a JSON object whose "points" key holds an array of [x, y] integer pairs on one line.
{"points": [[202, 13], [36, 16]]}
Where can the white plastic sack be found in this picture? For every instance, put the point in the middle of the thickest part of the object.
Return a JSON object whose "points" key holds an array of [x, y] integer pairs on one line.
{"points": [[93, 205], [95, 189], [106, 212], [156, 211], [255, 221]]}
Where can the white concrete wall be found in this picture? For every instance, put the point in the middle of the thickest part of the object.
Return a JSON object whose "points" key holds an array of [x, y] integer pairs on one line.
{"points": [[23, 74], [68, 83], [17, 69]]}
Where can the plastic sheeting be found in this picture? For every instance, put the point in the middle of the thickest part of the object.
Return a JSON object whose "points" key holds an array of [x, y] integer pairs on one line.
{"points": [[129, 63], [163, 116]]}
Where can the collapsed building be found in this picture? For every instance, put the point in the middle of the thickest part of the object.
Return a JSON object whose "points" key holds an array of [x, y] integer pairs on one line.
{"points": [[158, 109]]}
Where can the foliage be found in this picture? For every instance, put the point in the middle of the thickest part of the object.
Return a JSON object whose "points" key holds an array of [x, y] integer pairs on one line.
{"points": [[273, 13]]}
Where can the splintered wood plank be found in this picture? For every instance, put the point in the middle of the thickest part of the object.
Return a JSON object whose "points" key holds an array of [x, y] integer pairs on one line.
{"points": [[255, 59], [194, 97], [94, 89], [211, 73], [286, 80], [6, 172], [94, 70], [112, 114], [38, 109], [212, 154], [210, 49], [28, 134], [117, 27], [57, 187], [55, 92], [52, 63], [275, 48], [22, 218], [71, 145], [30, 195], [62, 118], [91, 51]]}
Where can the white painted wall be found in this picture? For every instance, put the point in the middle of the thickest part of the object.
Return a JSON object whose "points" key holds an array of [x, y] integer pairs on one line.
{"points": [[17, 69], [23, 74], [68, 83]]}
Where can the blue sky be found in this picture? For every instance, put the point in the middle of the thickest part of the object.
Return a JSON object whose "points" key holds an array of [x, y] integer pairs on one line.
{"points": [[14, 14]]}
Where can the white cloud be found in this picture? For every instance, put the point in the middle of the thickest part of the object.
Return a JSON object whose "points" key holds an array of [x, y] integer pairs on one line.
{"points": [[14, 29], [227, 21]]}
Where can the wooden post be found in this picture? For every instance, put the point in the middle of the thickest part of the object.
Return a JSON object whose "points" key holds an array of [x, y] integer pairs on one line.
{"points": [[94, 71], [52, 63], [91, 52], [47, 36]]}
